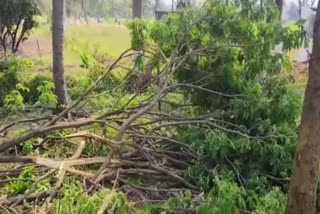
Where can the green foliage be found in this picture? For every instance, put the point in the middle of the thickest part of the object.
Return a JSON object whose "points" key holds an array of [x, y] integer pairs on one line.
{"points": [[177, 204], [13, 71], [226, 198], [255, 110], [23, 184], [183, 4], [76, 87], [86, 60], [16, 21], [14, 101], [76, 201], [28, 146], [251, 142], [138, 34], [33, 84], [182, 201], [273, 202], [138, 38], [47, 96], [21, 86]]}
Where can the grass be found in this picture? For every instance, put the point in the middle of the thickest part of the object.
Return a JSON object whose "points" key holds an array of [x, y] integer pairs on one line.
{"points": [[113, 39], [94, 39]]}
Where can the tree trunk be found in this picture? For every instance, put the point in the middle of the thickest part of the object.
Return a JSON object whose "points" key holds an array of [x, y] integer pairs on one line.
{"points": [[303, 185], [300, 8], [112, 8], [156, 5], [280, 6], [84, 10], [136, 9], [172, 5], [57, 48]]}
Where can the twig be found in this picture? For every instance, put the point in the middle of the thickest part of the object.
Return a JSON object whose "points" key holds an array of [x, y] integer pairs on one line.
{"points": [[63, 170], [176, 177], [207, 90], [152, 189], [5, 209], [109, 197], [88, 91], [32, 189], [4, 128], [31, 197]]}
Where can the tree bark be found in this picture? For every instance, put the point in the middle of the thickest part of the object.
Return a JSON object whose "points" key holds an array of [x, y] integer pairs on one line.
{"points": [[57, 48], [137, 9], [172, 5], [156, 5], [303, 185], [84, 10], [279, 3]]}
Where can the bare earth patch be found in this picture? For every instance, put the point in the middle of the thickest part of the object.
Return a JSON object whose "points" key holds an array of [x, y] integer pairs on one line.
{"points": [[36, 46]]}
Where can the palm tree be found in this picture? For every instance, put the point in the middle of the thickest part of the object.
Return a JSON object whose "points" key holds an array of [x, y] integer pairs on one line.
{"points": [[136, 9], [57, 48], [280, 5], [156, 5]]}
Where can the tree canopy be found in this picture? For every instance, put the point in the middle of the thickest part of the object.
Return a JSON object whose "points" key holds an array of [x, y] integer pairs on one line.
{"points": [[16, 21]]}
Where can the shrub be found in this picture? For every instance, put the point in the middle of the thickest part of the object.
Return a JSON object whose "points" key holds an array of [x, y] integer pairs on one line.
{"points": [[47, 95], [15, 70], [23, 184], [75, 200], [33, 85], [254, 112], [14, 101]]}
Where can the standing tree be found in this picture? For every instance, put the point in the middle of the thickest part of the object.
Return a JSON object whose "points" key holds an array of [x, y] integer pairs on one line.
{"points": [[136, 9], [156, 5], [280, 6], [137, 13], [84, 11], [172, 5], [303, 185], [16, 21], [57, 47]]}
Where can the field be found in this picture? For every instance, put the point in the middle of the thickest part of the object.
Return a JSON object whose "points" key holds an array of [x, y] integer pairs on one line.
{"points": [[94, 39]]}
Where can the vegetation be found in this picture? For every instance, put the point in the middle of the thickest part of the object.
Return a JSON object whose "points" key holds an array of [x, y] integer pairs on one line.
{"points": [[16, 21], [200, 115]]}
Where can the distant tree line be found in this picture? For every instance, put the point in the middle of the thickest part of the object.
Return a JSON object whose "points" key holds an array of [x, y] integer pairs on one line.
{"points": [[84, 9]]}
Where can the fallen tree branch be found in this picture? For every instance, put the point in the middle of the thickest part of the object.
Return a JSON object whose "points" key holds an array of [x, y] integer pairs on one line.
{"points": [[88, 91], [4, 128], [31, 197], [32, 189], [109, 197], [63, 169]]}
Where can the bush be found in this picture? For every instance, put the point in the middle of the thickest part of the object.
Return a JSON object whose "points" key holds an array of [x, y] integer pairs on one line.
{"points": [[254, 112], [15, 70], [25, 182], [47, 96], [33, 84], [75, 200]]}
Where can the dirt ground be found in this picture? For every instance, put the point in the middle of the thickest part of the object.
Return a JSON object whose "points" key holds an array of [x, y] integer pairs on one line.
{"points": [[36, 46]]}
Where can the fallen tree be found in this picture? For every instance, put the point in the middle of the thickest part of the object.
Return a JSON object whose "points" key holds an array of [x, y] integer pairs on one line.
{"points": [[212, 121]]}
